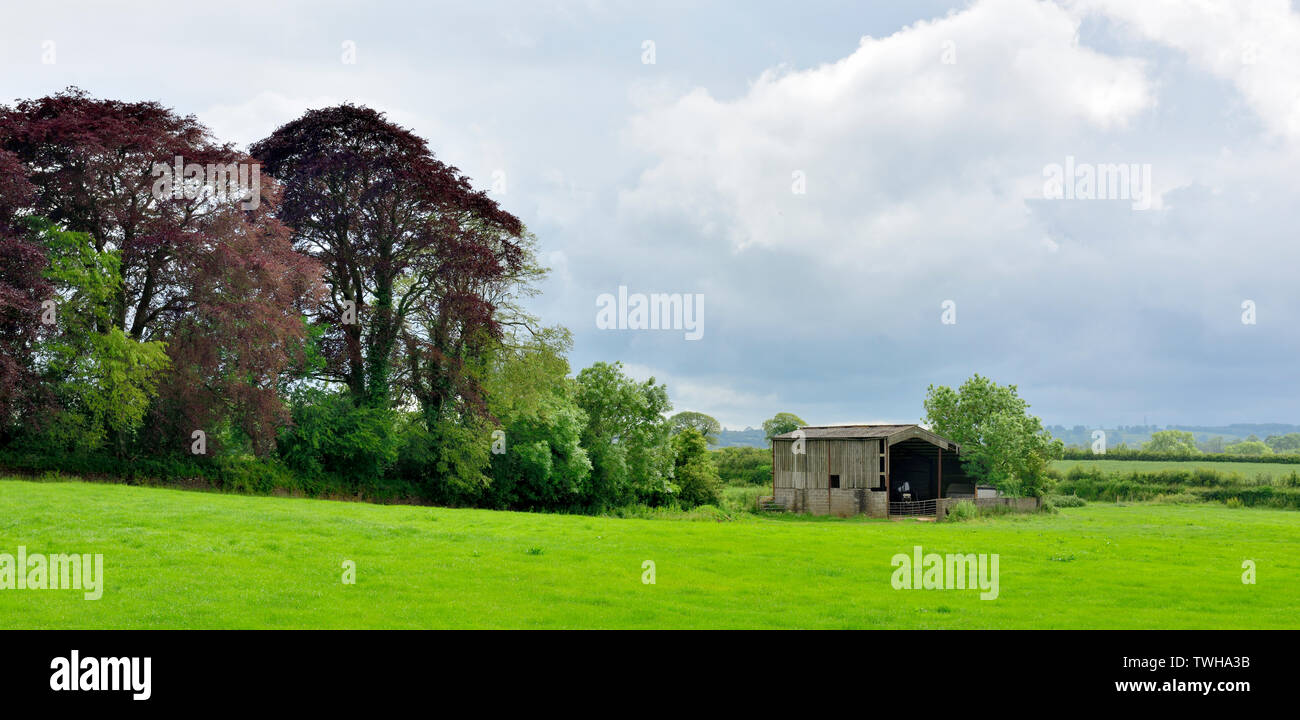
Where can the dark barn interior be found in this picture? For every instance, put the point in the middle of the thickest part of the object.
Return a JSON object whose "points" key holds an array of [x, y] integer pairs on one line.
{"points": [[914, 469]]}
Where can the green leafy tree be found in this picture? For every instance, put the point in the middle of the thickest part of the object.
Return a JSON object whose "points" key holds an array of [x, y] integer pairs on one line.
{"points": [[782, 422], [1001, 443], [334, 444], [1172, 442], [694, 473], [706, 425], [107, 377], [449, 461], [538, 460], [1249, 447], [627, 436], [1212, 445], [1284, 443], [744, 465]]}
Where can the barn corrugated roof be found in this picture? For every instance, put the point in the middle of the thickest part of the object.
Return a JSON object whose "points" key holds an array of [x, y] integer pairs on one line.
{"points": [[818, 432], [825, 432]]}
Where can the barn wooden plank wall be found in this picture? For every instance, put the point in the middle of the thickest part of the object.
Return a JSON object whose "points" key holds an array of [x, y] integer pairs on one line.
{"points": [[855, 460]]}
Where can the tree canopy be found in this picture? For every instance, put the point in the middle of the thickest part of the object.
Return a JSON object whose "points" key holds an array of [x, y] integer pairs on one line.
{"points": [[780, 423], [1001, 442], [704, 424], [410, 252], [1173, 442], [214, 280]]}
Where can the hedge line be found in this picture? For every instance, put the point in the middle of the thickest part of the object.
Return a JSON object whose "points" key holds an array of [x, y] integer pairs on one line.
{"points": [[1075, 454], [242, 475], [1201, 484]]}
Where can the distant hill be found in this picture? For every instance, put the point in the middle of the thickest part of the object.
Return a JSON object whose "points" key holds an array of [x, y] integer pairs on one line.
{"points": [[749, 437]]}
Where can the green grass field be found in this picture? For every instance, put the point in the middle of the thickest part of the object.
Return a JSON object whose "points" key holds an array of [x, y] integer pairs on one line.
{"points": [[184, 559], [1248, 470]]}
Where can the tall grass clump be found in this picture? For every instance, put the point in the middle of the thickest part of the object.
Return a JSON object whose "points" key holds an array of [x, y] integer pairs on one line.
{"points": [[963, 511]]}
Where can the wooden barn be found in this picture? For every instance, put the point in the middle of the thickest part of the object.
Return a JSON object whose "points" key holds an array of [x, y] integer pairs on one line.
{"points": [[878, 470]]}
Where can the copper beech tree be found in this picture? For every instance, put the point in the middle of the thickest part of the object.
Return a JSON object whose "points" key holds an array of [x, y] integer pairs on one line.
{"points": [[412, 256], [22, 290], [214, 277]]}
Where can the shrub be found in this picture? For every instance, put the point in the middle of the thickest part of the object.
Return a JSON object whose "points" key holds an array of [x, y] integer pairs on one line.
{"points": [[693, 472], [336, 446], [741, 499], [962, 511], [1066, 501], [248, 474], [711, 512], [1181, 485], [1274, 497], [1177, 498], [703, 513], [744, 465], [446, 465]]}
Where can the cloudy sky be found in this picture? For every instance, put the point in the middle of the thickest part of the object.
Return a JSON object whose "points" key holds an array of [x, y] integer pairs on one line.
{"points": [[870, 196]]}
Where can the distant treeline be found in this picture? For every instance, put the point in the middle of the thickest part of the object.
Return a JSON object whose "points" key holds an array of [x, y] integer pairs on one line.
{"points": [[1183, 443], [1132, 454], [1205, 434], [749, 437]]}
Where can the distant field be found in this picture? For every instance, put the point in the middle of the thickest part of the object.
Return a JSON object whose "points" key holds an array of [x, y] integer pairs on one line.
{"points": [[183, 559], [1247, 470]]}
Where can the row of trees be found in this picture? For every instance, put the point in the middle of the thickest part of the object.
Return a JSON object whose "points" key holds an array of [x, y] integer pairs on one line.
{"points": [[1177, 443], [1181, 442], [358, 329]]}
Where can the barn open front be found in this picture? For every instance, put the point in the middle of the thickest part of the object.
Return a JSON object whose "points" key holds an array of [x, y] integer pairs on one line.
{"points": [[876, 470], [921, 472]]}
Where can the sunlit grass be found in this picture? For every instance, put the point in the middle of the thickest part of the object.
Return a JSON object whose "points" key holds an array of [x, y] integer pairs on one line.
{"points": [[180, 559]]}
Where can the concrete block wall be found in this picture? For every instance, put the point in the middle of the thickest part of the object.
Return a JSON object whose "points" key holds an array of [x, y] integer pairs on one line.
{"points": [[1028, 504], [944, 505], [835, 501], [816, 502], [877, 503], [789, 497]]}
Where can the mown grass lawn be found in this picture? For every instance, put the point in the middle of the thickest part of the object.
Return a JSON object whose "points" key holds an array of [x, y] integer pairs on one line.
{"points": [[1248, 470], [182, 559]]}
